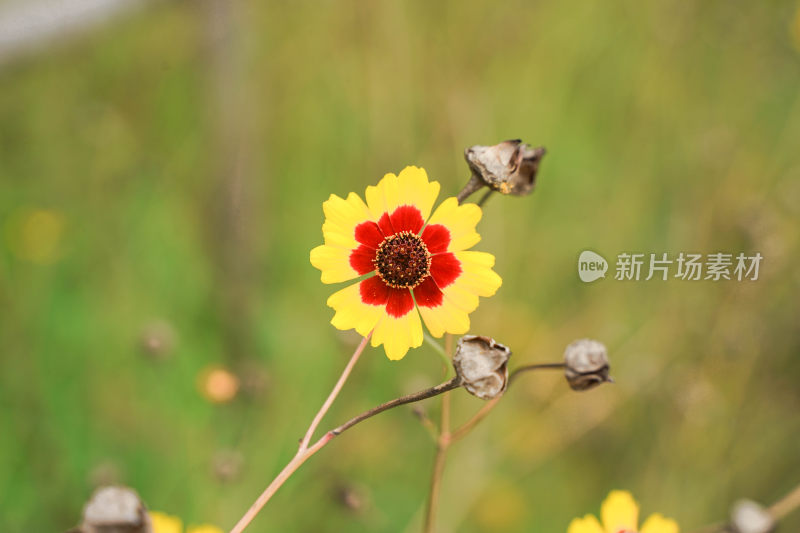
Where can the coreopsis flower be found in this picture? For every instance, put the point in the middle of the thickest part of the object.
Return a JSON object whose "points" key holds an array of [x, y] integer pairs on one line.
{"points": [[620, 514], [412, 261], [164, 523]]}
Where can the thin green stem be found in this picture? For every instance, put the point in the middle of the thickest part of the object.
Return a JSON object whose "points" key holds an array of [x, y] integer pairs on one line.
{"points": [[439, 350]]}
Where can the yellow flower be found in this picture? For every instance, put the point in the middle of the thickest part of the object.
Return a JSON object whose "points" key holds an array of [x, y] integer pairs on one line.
{"points": [[164, 523], [412, 260], [620, 514]]}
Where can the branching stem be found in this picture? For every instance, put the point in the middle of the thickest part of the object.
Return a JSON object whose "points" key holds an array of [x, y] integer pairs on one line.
{"points": [[305, 450]]}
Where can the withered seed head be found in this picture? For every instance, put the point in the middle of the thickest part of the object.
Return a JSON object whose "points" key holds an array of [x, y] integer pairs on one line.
{"points": [[586, 364], [114, 509], [509, 167], [749, 517], [482, 365]]}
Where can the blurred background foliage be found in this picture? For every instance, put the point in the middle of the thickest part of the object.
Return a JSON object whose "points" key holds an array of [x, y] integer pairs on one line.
{"points": [[161, 181]]}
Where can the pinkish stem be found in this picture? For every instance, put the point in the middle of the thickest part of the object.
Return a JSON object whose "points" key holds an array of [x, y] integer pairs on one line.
{"points": [[304, 451]]}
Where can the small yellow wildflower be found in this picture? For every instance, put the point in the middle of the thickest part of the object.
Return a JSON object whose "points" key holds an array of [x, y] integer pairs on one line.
{"points": [[164, 523], [620, 514]]}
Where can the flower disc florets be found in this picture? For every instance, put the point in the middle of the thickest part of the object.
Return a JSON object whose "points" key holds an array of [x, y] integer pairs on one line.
{"points": [[403, 260]]}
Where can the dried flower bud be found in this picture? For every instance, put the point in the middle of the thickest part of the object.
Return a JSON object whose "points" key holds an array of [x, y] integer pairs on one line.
{"points": [[509, 167], [482, 365], [749, 517], [158, 339], [115, 510], [226, 465], [586, 364]]}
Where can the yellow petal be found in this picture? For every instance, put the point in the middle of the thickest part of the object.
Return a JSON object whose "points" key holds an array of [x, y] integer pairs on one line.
{"points": [[341, 218], [587, 524], [619, 512], [204, 528], [477, 275], [415, 189], [656, 523], [334, 262], [352, 313], [411, 187], [446, 318], [381, 196], [398, 334], [164, 523], [461, 296], [460, 220]]}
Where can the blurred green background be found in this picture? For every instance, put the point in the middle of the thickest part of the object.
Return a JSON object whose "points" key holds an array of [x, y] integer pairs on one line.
{"points": [[161, 181]]}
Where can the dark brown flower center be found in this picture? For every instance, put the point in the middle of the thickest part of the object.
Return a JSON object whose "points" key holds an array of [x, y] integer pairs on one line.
{"points": [[403, 260]]}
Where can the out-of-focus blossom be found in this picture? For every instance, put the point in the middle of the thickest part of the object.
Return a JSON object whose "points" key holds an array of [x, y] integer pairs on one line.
{"points": [[34, 235], [620, 514], [227, 464], [218, 384], [164, 523], [158, 338]]}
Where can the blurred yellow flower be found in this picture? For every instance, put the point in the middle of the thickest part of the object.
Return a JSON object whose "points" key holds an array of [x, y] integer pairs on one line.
{"points": [[412, 261], [164, 523], [34, 235], [620, 514]]}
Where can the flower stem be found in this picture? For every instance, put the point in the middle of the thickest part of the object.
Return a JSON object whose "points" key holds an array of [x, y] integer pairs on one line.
{"points": [[786, 505], [470, 424], [272, 488], [485, 197], [467, 426], [539, 366], [778, 511], [304, 451], [445, 355], [335, 392], [415, 397], [442, 446], [475, 183]]}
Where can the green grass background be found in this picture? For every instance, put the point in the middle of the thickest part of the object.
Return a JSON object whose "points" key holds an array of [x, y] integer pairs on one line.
{"points": [[670, 126]]}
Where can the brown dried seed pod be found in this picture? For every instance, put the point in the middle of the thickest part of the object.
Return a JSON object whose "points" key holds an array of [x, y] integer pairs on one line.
{"points": [[749, 517], [509, 167], [115, 510], [482, 365], [586, 364]]}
